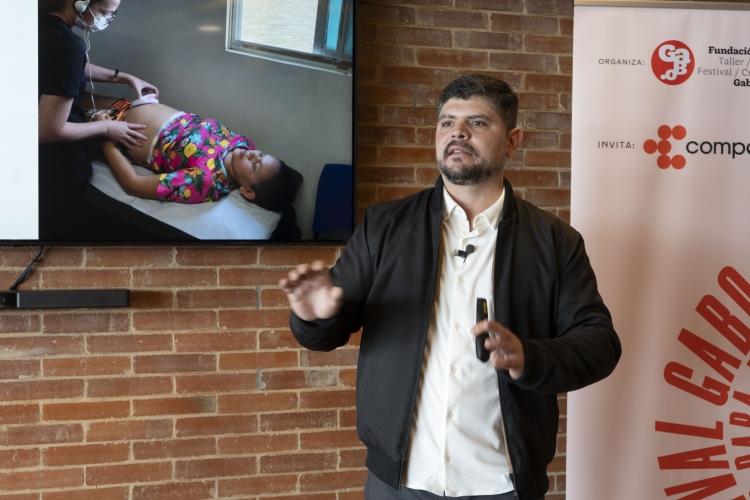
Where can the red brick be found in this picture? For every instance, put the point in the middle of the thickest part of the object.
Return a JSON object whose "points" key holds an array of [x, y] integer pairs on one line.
{"points": [[385, 175], [23, 496], [51, 257], [19, 369], [566, 27], [11, 323], [378, 94], [351, 495], [215, 383], [159, 278], [407, 155], [385, 14], [548, 44], [214, 467], [326, 481], [566, 65], [129, 430], [150, 299], [565, 141], [255, 360], [181, 321], [532, 178], [427, 176], [523, 62], [366, 32], [562, 425], [549, 197], [414, 76], [216, 299], [86, 367], [339, 357], [550, 7], [428, 98], [214, 342], [385, 54], [548, 159], [128, 343], [270, 297], [128, 257], [224, 256], [497, 5], [128, 473], [347, 418], [352, 459], [22, 347], [258, 443], [296, 379], [539, 140], [85, 411], [565, 178], [329, 439], [174, 406], [42, 479], [446, 58], [116, 493], [299, 462], [254, 319], [251, 277], [327, 399], [175, 491], [367, 113], [174, 448], [366, 195], [31, 283], [63, 456], [385, 134], [44, 434], [86, 278], [257, 485], [555, 121], [366, 154], [277, 340], [207, 426], [400, 35], [452, 18], [175, 363], [128, 387], [19, 414], [485, 40], [298, 420], [392, 193], [256, 403], [19, 458], [557, 465], [311, 496], [549, 83], [348, 378], [41, 389]]}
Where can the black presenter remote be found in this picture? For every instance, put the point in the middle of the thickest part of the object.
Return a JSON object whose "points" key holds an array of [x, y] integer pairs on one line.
{"points": [[482, 353]]}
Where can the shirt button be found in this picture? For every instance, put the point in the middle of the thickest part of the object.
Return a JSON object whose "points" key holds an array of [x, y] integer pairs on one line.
{"points": [[458, 326], [447, 459], [461, 279], [450, 415], [453, 369]]}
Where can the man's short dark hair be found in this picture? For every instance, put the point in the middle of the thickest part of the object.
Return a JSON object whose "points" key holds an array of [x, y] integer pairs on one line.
{"points": [[49, 6], [278, 192], [496, 92]]}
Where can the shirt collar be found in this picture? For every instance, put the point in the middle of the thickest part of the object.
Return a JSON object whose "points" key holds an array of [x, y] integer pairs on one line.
{"points": [[488, 218]]}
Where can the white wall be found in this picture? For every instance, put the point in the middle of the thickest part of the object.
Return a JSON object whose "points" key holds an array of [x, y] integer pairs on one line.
{"points": [[300, 115]]}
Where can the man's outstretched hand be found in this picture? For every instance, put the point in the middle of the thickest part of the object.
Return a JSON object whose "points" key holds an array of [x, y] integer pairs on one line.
{"points": [[506, 350], [311, 293]]}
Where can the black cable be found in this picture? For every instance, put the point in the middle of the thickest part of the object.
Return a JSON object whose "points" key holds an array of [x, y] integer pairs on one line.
{"points": [[27, 271]]}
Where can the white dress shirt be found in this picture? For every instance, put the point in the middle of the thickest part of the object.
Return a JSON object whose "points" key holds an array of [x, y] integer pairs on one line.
{"points": [[457, 442]]}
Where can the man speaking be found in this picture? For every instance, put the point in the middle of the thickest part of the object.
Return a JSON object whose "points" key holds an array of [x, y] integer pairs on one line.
{"points": [[437, 421]]}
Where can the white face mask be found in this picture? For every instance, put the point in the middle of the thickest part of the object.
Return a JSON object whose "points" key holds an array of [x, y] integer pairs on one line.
{"points": [[100, 23]]}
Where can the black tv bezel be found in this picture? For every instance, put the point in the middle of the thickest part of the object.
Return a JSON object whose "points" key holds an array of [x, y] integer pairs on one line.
{"points": [[209, 243]]}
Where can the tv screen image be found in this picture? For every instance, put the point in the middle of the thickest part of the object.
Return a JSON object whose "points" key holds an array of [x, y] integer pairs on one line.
{"points": [[254, 105]]}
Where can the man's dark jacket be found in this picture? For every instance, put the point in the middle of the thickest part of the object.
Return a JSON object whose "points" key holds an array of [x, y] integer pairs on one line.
{"points": [[544, 291]]}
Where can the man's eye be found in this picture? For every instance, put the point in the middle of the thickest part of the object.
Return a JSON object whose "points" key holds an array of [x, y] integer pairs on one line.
{"points": [[478, 123], [446, 124]]}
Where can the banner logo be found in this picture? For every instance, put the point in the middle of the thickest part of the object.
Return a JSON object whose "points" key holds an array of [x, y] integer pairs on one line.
{"points": [[672, 62], [664, 161]]}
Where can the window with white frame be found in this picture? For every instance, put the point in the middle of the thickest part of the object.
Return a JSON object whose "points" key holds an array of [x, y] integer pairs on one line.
{"points": [[314, 33]]}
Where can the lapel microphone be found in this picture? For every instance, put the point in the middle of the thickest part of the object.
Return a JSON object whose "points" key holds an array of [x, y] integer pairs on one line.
{"points": [[464, 253]]}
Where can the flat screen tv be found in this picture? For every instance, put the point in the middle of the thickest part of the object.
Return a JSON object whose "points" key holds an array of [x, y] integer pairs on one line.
{"points": [[235, 77]]}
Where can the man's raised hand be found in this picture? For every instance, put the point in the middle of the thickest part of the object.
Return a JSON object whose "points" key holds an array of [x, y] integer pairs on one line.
{"points": [[310, 292], [506, 350]]}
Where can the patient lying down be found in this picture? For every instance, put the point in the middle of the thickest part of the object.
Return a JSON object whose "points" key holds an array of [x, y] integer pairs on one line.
{"points": [[194, 160]]}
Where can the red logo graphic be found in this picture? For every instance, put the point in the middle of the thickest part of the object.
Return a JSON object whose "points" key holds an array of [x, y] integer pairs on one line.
{"points": [[664, 161], [672, 62]]}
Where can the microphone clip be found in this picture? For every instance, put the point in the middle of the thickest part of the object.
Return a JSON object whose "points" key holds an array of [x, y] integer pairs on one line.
{"points": [[464, 253]]}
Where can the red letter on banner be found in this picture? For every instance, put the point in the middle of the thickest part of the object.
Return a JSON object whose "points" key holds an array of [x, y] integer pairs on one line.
{"points": [[732, 328], [695, 459], [742, 397], [692, 430], [741, 441], [742, 462], [737, 418], [712, 355], [736, 287], [712, 391], [705, 487]]}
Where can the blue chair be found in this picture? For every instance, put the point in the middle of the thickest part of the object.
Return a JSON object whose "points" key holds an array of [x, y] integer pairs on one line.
{"points": [[333, 219]]}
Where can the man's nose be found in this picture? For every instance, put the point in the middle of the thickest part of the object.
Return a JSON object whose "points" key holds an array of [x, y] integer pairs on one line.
{"points": [[460, 131]]}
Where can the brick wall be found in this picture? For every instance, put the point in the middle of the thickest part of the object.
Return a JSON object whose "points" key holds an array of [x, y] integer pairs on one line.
{"points": [[198, 390]]}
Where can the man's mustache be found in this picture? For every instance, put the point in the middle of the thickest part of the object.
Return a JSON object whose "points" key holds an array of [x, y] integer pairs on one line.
{"points": [[460, 144]]}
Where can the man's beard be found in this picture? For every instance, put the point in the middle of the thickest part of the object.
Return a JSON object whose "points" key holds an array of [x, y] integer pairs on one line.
{"points": [[462, 175]]}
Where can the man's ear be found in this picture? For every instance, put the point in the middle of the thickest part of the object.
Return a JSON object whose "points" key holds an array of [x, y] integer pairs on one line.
{"points": [[515, 136], [247, 193]]}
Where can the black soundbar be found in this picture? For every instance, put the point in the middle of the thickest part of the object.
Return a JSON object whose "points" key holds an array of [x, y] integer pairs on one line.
{"points": [[43, 299]]}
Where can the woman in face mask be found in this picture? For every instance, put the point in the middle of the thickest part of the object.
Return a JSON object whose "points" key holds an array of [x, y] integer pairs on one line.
{"points": [[64, 70]]}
